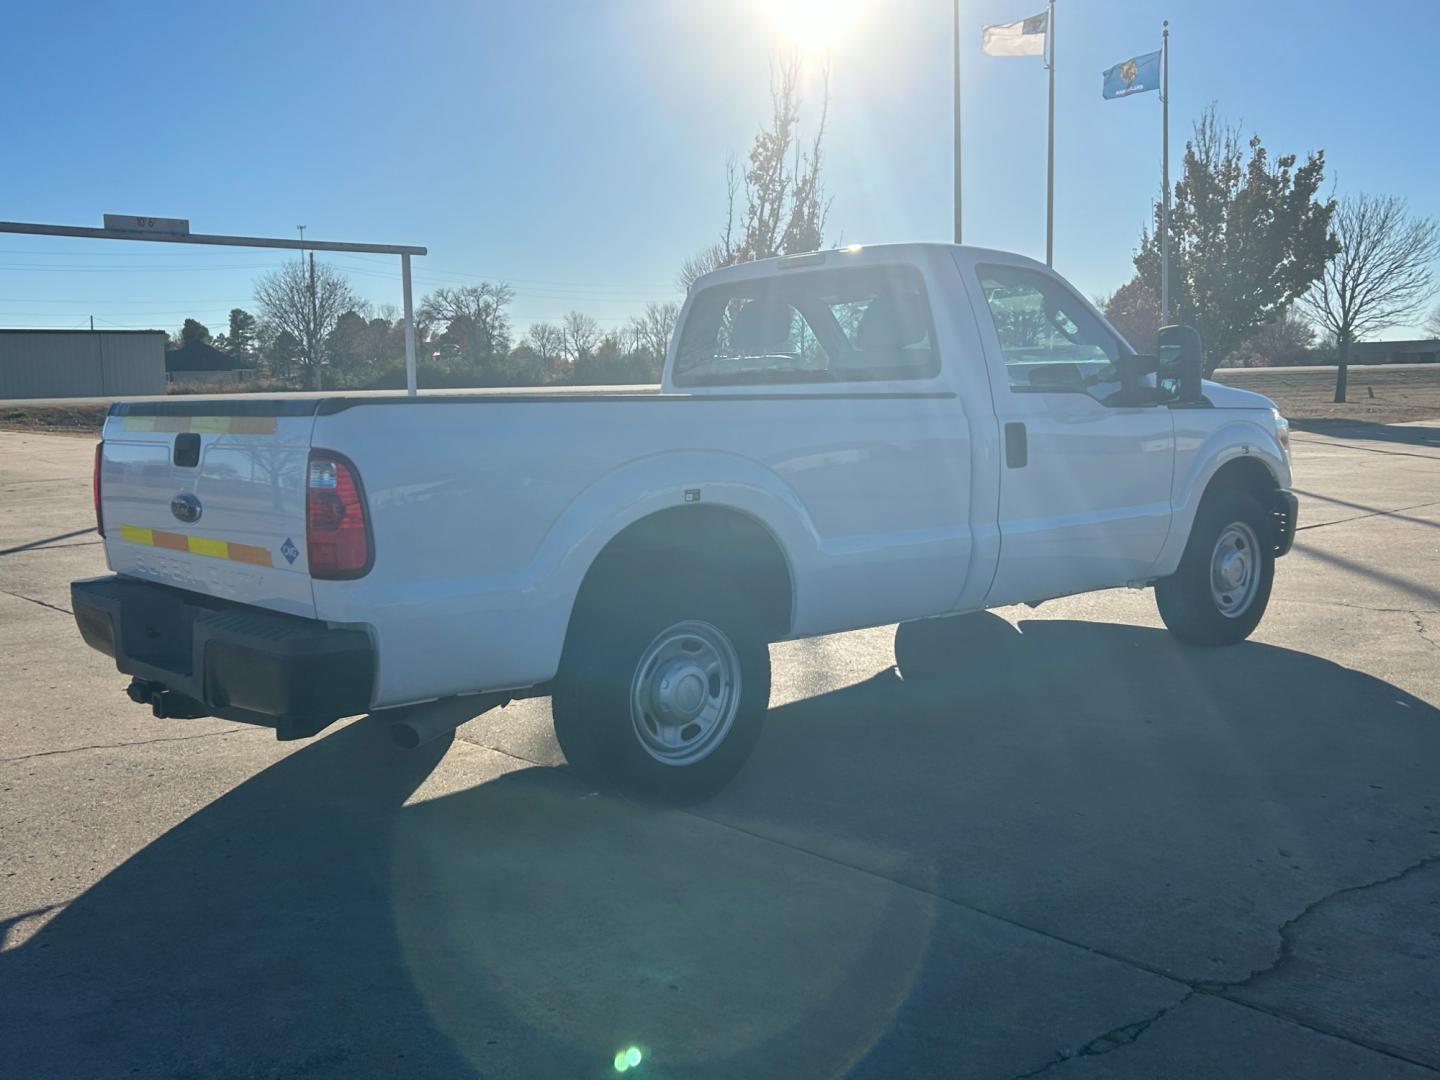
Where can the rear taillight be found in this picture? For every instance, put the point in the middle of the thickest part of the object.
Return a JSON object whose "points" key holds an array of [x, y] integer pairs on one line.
{"points": [[95, 488], [337, 529]]}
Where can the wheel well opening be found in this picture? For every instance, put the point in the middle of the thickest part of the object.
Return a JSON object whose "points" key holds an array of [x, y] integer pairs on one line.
{"points": [[1246, 474], [1251, 476], [690, 547]]}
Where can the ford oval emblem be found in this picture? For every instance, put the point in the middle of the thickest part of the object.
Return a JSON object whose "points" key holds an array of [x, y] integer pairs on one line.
{"points": [[186, 507]]}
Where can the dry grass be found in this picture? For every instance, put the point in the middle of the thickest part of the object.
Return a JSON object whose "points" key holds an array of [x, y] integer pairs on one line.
{"points": [[1377, 395], [63, 419]]}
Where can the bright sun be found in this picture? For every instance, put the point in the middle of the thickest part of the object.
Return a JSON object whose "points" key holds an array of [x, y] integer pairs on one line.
{"points": [[812, 24]]}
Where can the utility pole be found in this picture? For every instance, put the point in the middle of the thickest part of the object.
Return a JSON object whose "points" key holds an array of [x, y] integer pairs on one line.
{"points": [[1050, 159], [958, 231], [315, 330]]}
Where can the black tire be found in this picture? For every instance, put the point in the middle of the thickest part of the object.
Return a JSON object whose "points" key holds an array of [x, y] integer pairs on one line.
{"points": [[1188, 604], [591, 702]]}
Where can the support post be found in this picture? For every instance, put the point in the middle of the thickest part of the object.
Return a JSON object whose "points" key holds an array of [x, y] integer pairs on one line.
{"points": [[1050, 157], [1165, 174], [958, 230], [410, 383]]}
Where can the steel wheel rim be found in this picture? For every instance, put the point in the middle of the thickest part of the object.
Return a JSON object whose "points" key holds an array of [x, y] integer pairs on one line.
{"points": [[1235, 569], [685, 693]]}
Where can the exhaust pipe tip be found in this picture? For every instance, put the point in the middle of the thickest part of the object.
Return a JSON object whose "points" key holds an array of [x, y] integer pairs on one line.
{"points": [[417, 725]]}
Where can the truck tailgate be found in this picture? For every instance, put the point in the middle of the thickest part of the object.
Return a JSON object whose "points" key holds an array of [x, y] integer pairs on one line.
{"points": [[205, 500]]}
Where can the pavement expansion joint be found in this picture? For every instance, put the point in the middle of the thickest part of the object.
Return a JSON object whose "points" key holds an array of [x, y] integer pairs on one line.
{"points": [[42, 603], [126, 745]]}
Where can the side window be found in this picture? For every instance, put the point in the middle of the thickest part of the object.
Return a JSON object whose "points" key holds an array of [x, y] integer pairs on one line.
{"points": [[1050, 341], [853, 324]]}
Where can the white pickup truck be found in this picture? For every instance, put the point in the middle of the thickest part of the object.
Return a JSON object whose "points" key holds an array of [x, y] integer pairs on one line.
{"points": [[842, 439]]}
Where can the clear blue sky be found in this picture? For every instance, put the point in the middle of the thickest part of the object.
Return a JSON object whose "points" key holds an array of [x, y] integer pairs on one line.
{"points": [[577, 149]]}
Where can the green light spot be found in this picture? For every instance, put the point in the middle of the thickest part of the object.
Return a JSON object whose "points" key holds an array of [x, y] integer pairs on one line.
{"points": [[633, 1056], [622, 1061]]}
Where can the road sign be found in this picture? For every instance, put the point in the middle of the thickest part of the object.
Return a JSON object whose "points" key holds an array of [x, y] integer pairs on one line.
{"points": [[132, 223]]}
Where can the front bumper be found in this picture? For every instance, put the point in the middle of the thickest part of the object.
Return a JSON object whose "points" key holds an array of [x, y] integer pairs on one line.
{"points": [[1284, 510], [225, 659]]}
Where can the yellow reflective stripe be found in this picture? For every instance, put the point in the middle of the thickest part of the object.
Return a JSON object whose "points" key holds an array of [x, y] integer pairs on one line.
{"points": [[203, 425], [136, 535], [200, 545]]}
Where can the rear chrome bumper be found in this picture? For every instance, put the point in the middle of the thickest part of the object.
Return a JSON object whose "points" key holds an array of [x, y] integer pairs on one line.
{"points": [[225, 659]]}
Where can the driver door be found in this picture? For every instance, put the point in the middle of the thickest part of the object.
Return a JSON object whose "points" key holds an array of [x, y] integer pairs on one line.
{"points": [[1085, 479]]}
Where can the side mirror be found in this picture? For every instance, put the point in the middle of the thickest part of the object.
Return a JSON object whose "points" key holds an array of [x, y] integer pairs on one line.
{"points": [[1180, 366]]}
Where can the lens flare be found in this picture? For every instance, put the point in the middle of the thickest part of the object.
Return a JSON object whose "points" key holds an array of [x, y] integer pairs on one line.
{"points": [[628, 1058]]}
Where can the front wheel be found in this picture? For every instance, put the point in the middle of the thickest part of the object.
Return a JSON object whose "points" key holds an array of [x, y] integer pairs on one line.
{"points": [[1219, 592], [666, 702]]}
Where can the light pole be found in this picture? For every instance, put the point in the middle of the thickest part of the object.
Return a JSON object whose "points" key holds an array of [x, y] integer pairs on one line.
{"points": [[958, 229]]}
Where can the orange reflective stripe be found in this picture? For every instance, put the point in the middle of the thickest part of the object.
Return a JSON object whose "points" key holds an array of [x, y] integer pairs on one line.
{"points": [[170, 541], [257, 556]]}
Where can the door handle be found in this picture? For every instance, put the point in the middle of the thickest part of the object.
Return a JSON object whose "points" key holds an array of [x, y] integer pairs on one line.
{"points": [[1017, 450]]}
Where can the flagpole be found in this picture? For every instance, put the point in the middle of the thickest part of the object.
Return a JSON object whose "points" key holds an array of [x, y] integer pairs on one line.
{"points": [[1165, 174], [1050, 161], [957, 123]]}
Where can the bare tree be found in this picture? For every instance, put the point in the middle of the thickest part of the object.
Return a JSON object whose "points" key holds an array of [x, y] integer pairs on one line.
{"points": [[547, 339], [785, 202], [579, 335], [652, 329], [1432, 324], [474, 317], [305, 301], [1379, 277]]}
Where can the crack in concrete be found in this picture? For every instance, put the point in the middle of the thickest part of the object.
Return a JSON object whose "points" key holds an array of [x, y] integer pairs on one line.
{"points": [[1116, 1038], [42, 603], [1423, 630], [1287, 928], [1127, 1034], [125, 745]]}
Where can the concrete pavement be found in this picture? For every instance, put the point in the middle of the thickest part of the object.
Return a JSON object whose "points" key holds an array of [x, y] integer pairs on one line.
{"points": [[1092, 853]]}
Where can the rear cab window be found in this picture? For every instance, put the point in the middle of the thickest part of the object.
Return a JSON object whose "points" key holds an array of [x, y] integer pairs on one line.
{"points": [[852, 324]]}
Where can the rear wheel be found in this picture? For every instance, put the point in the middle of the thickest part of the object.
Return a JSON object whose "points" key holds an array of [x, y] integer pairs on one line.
{"points": [[1218, 594], [666, 701]]}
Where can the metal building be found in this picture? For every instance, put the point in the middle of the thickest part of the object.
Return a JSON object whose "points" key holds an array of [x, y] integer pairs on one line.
{"points": [[81, 363]]}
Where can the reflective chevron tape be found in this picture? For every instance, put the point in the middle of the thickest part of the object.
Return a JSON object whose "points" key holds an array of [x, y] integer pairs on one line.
{"points": [[196, 545], [203, 425]]}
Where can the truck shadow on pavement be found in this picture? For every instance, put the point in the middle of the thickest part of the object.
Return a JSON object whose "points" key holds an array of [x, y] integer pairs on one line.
{"points": [[1096, 783]]}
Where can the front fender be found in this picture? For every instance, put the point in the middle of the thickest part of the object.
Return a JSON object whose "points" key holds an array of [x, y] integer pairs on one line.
{"points": [[1201, 451]]}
